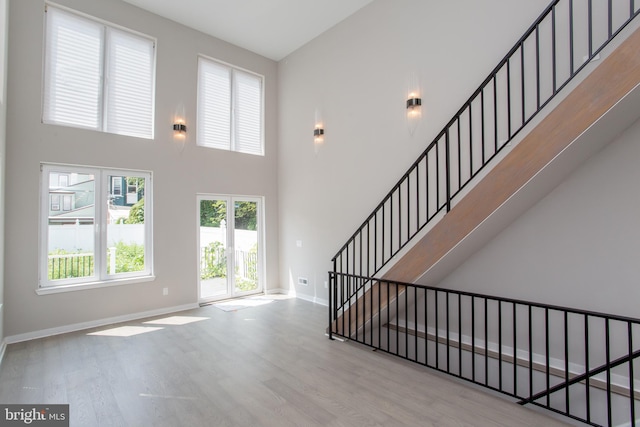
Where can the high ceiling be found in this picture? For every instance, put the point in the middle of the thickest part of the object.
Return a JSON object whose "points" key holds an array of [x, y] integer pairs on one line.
{"points": [[271, 28]]}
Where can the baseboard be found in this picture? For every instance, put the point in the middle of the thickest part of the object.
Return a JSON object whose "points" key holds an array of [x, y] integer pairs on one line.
{"points": [[276, 291], [95, 323], [315, 300], [3, 348]]}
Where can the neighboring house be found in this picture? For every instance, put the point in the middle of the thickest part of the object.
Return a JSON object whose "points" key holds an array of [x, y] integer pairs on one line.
{"points": [[71, 199], [125, 191]]}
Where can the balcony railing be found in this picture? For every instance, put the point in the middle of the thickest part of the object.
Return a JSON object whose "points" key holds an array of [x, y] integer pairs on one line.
{"points": [[567, 36], [578, 363]]}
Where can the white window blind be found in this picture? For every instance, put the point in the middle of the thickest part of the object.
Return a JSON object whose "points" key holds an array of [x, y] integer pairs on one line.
{"points": [[214, 105], [229, 108], [97, 76], [73, 70], [129, 85], [248, 113]]}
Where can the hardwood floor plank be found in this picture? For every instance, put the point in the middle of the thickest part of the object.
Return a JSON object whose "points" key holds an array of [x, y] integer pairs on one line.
{"points": [[263, 366]]}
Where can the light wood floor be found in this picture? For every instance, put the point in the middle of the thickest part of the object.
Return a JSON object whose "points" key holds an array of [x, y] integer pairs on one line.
{"points": [[262, 366]]}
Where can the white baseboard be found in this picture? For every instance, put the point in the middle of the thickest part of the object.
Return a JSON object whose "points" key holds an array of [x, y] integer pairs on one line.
{"points": [[277, 291], [3, 348], [95, 323], [315, 300]]}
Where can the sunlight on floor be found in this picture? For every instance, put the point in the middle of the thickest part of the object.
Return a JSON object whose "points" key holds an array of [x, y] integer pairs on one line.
{"points": [[125, 331], [175, 320], [240, 303]]}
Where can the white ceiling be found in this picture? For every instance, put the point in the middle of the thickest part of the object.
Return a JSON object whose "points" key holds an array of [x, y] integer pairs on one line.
{"points": [[271, 28]]}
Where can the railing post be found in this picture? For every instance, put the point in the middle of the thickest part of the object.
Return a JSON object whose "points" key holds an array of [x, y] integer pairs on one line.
{"points": [[331, 281], [448, 169]]}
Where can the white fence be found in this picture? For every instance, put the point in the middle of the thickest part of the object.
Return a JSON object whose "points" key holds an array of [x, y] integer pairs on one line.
{"points": [[79, 237]]}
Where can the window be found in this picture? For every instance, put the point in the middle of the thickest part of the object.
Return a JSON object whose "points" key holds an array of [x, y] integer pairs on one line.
{"points": [[55, 202], [97, 76], [116, 186], [88, 240], [230, 108]]}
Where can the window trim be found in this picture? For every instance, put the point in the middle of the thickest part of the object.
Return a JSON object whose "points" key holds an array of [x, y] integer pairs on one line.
{"points": [[232, 107], [100, 278], [102, 119]]}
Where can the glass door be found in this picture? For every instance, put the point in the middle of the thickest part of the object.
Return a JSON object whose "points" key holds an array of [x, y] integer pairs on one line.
{"points": [[230, 247]]}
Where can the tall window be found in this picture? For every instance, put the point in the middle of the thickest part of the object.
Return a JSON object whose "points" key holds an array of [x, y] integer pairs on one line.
{"points": [[97, 76], [89, 240], [230, 108]]}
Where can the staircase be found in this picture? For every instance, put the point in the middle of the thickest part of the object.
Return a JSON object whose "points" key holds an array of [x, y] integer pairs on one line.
{"points": [[509, 132]]}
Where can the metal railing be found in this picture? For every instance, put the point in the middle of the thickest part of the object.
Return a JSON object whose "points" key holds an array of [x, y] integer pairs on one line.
{"points": [[66, 266], [577, 363], [560, 43]]}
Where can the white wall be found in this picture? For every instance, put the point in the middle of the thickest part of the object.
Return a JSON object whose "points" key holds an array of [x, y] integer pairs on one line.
{"points": [[4, 29], [179, 172], [357, 74], [577, 247]]}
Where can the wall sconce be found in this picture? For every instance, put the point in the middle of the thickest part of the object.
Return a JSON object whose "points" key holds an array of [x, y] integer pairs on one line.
{"points": [[414, 103], [180, 128], [318, 131], [318, 134]]}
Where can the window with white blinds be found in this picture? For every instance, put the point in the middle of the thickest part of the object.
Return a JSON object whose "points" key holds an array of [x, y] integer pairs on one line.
{"points": [[229, 108], [97, 76]]}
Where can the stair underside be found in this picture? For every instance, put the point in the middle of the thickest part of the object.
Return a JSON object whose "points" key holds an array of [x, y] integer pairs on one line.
{"points": [[558, 133]]}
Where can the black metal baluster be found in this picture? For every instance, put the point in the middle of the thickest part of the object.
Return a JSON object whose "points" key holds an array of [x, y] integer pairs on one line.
{"points": [[447, 323], [473, 338], [495, 113], [632, 392], [482, 136], [571, 65], [537, 67], [608, 359], [448, 170], [459, 335], [586, 365], [515, 351], [610, 21], [415, 319], [546, 353], [459, 156], [426, 328], [486, 342], [332, 305], [522, 84], [499, 345], [508, 100], [553, 49], [590, 28], [437, 176], [470, 140], [530, 352], [406, 322], [437, 333], [566, 360], [398, 318]]}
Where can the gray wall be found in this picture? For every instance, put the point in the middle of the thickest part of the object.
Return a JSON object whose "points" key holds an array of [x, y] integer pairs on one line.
{"points": [[179, 172], [577, 247], [3, 125], [357, 74]]}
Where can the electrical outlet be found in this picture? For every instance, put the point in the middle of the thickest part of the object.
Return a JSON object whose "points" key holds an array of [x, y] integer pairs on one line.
{"points": [[165, 291], [303, 281], [325, 284]]}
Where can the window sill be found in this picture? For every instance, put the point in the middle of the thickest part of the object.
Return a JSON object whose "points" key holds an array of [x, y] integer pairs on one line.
{"points": [[93, 285]]}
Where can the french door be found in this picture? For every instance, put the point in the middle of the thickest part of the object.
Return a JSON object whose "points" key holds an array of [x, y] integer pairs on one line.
{"points": [[230, 246]]}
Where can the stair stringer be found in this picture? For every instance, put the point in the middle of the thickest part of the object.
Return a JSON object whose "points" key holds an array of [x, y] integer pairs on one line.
{"points": [[599, 107]]}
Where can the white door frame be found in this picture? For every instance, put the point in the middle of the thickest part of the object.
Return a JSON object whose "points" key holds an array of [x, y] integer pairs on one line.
{"points": [[230, 200]]}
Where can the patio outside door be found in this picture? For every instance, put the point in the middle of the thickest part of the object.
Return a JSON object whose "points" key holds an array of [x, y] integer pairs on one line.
{"points": [[230, 247]]}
